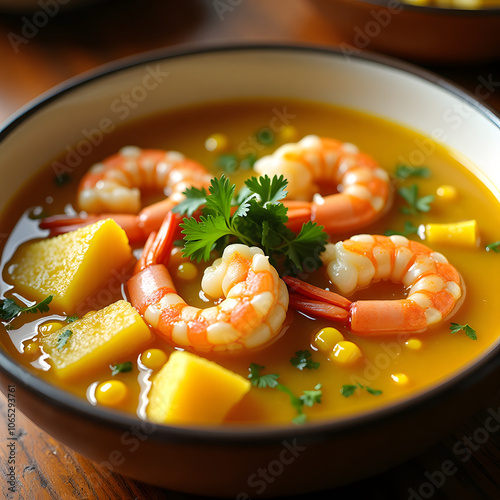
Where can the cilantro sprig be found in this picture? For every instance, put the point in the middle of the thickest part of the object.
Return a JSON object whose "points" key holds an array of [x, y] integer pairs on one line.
{"points": [[9, 308], [303, 359], [469, 331], [270, 380], [349, 389], [121, 368], [256, 217], [415, 203]]}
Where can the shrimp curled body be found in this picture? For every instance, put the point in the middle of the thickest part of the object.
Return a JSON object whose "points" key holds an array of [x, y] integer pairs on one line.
{"points": [[251, 314], [435, 289], [364, 189], [112, 189]]}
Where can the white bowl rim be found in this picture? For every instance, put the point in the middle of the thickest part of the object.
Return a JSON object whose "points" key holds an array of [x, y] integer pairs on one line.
{"points": [[254, 434]]}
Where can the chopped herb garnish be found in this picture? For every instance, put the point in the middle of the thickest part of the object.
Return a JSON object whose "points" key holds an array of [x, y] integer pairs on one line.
{"points": [[404, 171], [121, 368], [307, 398], [10, 309], [259, 220], [493, 246], [71, 319], [408, 230], [265, 136], [248, 161], [228, 162], [62, 179], [349, 389], [303, 359], [469, 331], [62, 340], [416, 204]]}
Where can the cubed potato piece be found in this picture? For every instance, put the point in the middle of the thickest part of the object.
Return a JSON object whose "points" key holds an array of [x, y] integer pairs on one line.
{"points": [[97, 340], [192, 390], [72, 266]]}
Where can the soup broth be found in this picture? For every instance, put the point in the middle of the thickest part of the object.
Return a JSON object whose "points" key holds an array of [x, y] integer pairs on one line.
{"points": [[392, 367]]}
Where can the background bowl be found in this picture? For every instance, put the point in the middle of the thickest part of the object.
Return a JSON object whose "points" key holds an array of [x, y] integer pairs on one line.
{"points": [[421, 34], [227, 461]]}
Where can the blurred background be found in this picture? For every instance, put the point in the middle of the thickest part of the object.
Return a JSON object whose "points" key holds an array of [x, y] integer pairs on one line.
{"points": [[43, 43]]}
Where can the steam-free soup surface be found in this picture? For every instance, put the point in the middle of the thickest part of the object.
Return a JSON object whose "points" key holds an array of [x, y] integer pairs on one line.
{"points": [[392, 366]]}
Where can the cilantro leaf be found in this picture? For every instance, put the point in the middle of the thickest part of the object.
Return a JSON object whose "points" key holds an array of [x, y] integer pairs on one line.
{"points": [[269, 191], [9, 308], [262, 381], [493, 246], [63, 338], [469, 331], [303, 359], [195, 198], [121, 368], [309, 398], [404, 171], [348, 390], [416, 204]]}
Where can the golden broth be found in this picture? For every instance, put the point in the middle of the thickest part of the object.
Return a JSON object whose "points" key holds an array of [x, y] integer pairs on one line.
{"points": [[441, 353]]}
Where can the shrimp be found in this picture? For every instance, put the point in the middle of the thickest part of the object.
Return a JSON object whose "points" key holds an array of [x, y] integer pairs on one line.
{"points": [[112, 189], [435, 289], [251, 314], [364, 189]]}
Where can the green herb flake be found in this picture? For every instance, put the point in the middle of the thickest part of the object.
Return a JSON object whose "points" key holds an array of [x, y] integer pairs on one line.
{"points": [[71, 319], [408, 230], [62, 179], [228, 162], [348, 390], [469, 331], [121, 368], [265, 136], [495, 247], [303, 359], [403, 172], [262, 381], [63, 338], [10, 309]]}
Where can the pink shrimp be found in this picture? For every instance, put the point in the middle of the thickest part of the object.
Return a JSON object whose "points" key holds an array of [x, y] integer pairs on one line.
{"points": [[363, 188], [435, 288], [251, 315], [112, 189]]}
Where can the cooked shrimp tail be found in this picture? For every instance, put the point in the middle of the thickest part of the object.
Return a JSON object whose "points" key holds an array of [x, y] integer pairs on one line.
{"points": [[435, 289], [250, 314]]}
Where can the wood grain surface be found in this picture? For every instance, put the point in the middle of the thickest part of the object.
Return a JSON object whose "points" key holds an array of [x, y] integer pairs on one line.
{"points": [[37, 53]]}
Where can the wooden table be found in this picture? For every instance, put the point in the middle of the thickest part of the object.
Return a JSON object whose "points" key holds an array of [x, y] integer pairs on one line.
{"points": [[35, 58]]}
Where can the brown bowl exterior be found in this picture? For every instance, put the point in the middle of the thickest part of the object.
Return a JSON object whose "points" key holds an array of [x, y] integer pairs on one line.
{"points": [[420, 34]]}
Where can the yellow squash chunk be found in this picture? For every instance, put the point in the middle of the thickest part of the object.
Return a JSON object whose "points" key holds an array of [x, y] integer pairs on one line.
{"points": [[192, 390], [72, 266], [97, 340], [459, 234]]}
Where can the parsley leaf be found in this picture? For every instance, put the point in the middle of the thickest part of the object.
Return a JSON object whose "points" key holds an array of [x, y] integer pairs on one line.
{"points": [[307, 398], [259, 220], [121, 368], [404, 171], [63, 338], [493, 246], [469, 331], [303, 359], [416, 204], [349, 389], [10, 309]]}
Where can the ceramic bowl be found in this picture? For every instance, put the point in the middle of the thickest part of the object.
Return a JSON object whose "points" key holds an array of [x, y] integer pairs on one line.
{"points": [[225, 462], [418, 33]]}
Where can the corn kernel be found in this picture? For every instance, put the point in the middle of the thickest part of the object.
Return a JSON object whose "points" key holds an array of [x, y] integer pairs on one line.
{"points": [[400, 378], [326, 339], [414, 344], [111, 392], [459, 234], [217, 143], [50, 326], [153, 358], [187, 271], [31, 348], [288, 133], [346, 352], [447, 193]]}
